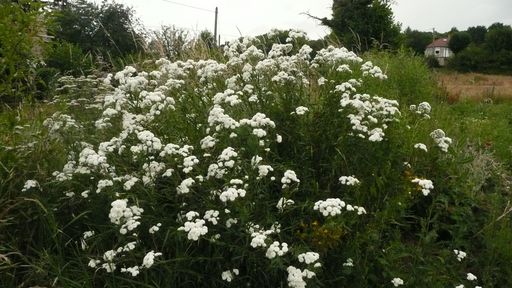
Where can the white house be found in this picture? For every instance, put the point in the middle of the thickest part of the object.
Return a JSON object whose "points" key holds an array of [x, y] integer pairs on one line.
{"points": [[439, 49]]}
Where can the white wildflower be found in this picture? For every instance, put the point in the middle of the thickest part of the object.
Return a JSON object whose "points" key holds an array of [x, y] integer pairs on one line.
{"points": [[308, 257], [349, 180], [288, 178], [471, 277], [149, 259], [460, 254], [421, 146], [276, 249], [426, 185], [397, 282], [30, 184]]}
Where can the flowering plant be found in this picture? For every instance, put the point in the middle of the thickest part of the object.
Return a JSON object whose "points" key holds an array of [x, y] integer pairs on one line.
{"points": [[236, 171]]}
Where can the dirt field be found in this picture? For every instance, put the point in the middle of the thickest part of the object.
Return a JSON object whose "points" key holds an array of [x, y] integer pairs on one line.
{"points": [[477, 87]]}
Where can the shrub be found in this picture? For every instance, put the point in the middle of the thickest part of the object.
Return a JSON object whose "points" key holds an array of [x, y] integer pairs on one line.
{"points": [[432, 61], [261, 170], [69, 59]]}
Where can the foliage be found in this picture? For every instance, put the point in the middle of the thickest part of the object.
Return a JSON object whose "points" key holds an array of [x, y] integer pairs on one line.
{"points": [[410, 80], [107, 30], [170, 42], [21, 49], [477, 34], [476, 58], [499, 38], [364, 24], [459, 41], [494, 55], [417, 40], [272, 135], [432, 61], [70, 59]]}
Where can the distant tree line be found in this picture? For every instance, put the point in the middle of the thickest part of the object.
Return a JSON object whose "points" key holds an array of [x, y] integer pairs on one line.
{"points": [[477, 49], [481, 49]]}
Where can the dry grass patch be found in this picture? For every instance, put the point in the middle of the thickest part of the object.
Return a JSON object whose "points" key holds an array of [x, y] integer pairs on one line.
{"points": [[475, 87]]}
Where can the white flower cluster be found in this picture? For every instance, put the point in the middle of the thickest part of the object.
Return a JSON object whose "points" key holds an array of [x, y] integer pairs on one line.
{"points": [[231, 194], [59, 122], [127, 217], [370, 70], [349, 263], [426, 185], [441, 140], [423, 109], [397, 282], [219, 120], [229, 275], [371, 114], [471, 277], [334, 206], [332, 56], [296, 277], [301, 110], [309, 258], [288, 178], [276, 249], [29, 184], [225, 161], [460, 254], [228, 97], [212, 216], [149, 259], [349, 180], [195, 227], [155, 228], [295, 34], [259, 236], [149, 143], [102, 184], [421, 146], [208, 142], [185, 185]]}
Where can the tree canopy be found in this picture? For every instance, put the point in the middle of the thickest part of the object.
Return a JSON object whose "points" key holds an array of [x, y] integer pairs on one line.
{"points": [[459, 41], [108, 28], [363, 24]]}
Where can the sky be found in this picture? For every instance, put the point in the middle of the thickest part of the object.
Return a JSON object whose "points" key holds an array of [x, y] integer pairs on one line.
{"points": [[254, 17]]}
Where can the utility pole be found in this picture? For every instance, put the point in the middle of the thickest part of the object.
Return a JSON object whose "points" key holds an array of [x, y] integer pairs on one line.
{"points": [[216, 18]]}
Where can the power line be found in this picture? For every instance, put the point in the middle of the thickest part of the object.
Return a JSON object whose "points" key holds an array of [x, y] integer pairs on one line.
{"points": [[189, 6]]}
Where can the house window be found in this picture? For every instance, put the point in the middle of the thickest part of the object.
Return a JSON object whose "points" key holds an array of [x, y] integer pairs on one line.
{"points": [[438, 51]]}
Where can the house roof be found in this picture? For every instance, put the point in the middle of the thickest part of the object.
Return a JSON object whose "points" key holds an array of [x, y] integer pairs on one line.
{"points": [[441, 42]]}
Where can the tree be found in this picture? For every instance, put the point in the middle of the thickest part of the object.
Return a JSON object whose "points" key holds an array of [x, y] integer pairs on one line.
{"points": [[107, 30], [499, 37], [417, 40], [207, 38], [477, 34], [459, 41], [363, 24]]}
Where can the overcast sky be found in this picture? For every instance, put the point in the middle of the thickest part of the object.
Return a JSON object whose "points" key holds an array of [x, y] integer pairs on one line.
{"points": [[253, 17]]}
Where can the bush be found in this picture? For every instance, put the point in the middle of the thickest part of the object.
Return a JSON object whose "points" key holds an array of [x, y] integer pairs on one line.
{"points": [[432, 62], [69, 59], [409, 82], [261, 170]]}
